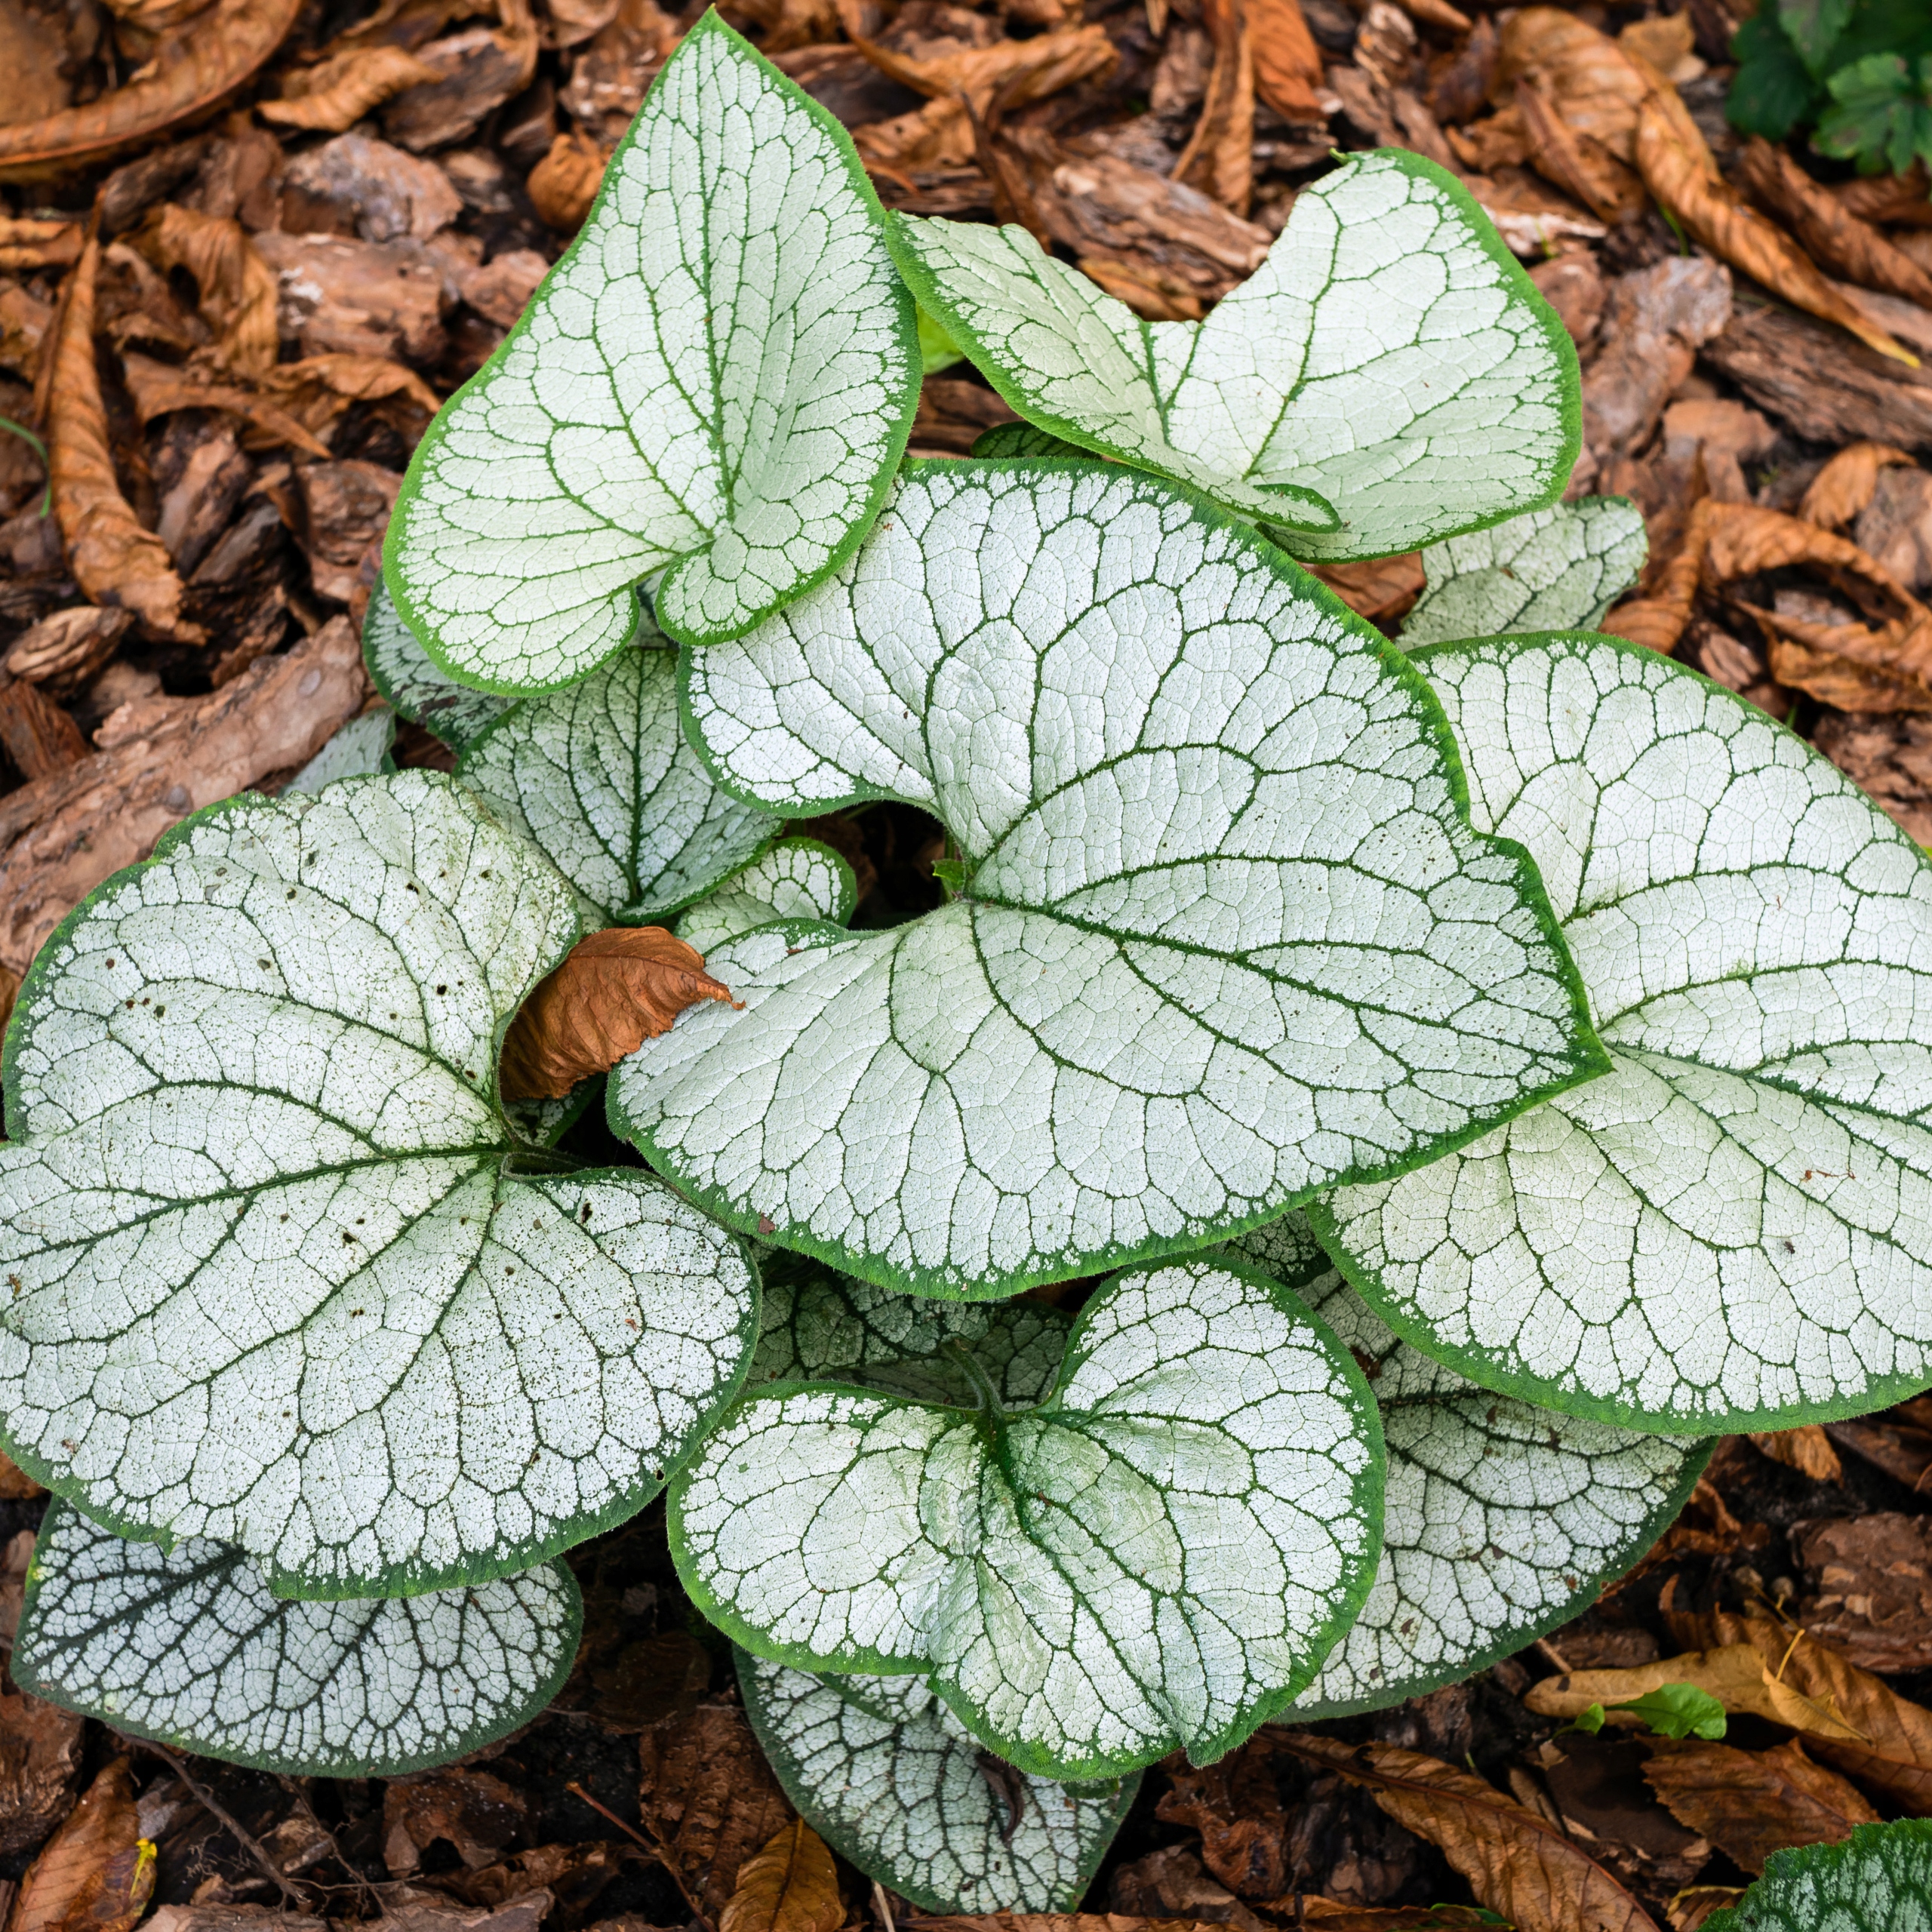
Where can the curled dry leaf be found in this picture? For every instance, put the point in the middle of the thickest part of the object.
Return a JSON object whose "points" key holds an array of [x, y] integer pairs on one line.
{"points": [[1685, 182], [1517, 1863], [563, 185], [237, 287], [791, 1886], [158, 389], [114, 560], [1852, 248], [156, 16], [1750, 1804], [29, 243], [1589, 78], [1287, 63], [96, 1873], [220, 51], [63, 651], [1841, 489], [618, 989], [708, 1800], [337, 93], [1219, 157], [1381, 589], [1575, 162], [39, 736], [1808, 1450]]}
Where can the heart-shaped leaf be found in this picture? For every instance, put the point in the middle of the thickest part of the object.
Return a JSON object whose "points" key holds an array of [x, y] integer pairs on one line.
{"points": [[190, 1645], [798, 879], [1877, 1880], [281, 1276], [1225, 935], [361, 747], [1500, 1522], [416, 688], [600, 775], [716, 382], [1554, 569], [890, 1777], [821, 1326], [1160, 1554], [1387, 377], [1732, 1231]]}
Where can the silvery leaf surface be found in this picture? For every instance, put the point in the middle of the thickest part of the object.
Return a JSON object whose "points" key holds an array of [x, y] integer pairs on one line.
{"points": [[1732, 1231], [888, 1776], [361, 747], [191, 1646], [1554, 569], [798, 878], [1387, 377], [283, 1276], [417, 687], [818, 1325], [1159, 1554], [600, 776], [1500, 1521], [1224, 934], [714, 382], [1877, 1880]]}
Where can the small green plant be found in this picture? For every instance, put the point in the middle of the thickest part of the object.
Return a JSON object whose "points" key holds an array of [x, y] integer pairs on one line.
{"points": [[1858, 72], [1672, 1710], [1470, 1075]]}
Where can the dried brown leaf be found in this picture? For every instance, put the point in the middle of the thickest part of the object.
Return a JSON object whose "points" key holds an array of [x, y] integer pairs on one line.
{"points": [[96, 1872], [15, 1485], [1696, 1903], [30, 242], [114, 560], [188, 77], [41, 1746], [472, 1810], [237, 287], [1235, 1806], [1219, 157], [318, 389], [155, 16], [1517, 1862], [1683, 181], [159, 388], [1593, 83], [338, 92], [1382, 589], [1577, 164], [1750, 1804], [791, 1886], [39, 736], [1287, 63], [1823, 225], [1018, 71], [1845, 485], [1873, 1578], [563, 185], [1889, 198], [1807, 1450], [618, 989], [1900, 1447], [708, 1800]]}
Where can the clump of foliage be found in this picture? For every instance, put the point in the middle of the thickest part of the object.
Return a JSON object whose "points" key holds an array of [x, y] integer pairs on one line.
{"points": [[1859, 72], [1465, 1079]]}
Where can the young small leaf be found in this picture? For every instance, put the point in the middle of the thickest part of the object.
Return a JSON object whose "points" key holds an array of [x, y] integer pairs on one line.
{"points": [[821, 1326], [280, 1276], [893, 1780], [1387, 377], [1731, 1232], [1877, 1880], [417, 689], [798, 879], [1499, 1521], [1814, 27], [1226, 936], [1679, 1710], [719, 377], [1880, 114], [1159, 1554], [188, 1645], [1554, 569], [361, 747], [618, 987], [600, 775]]}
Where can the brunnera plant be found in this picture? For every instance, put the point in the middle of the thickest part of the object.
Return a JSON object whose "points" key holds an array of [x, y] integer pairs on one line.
{"points": [[1467, 1075]]}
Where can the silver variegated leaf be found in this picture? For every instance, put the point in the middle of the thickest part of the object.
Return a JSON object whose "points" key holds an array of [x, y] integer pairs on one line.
{"points": [[821, 1326], [799, 879], [1500, 1522], [1387, 377], [1554, 569], [600, 776], [190, 1646], [1225, 935], [417, 687], [1160, 1554], [888, 1776], [361, 747], [1877, 1880], [715, 381], [1733, 1230], [282, 1276]]}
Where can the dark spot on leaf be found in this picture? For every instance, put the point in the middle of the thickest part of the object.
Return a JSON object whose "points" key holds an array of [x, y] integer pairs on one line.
{"points": [[442, 989], [110, 964], [766, 1224]]}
